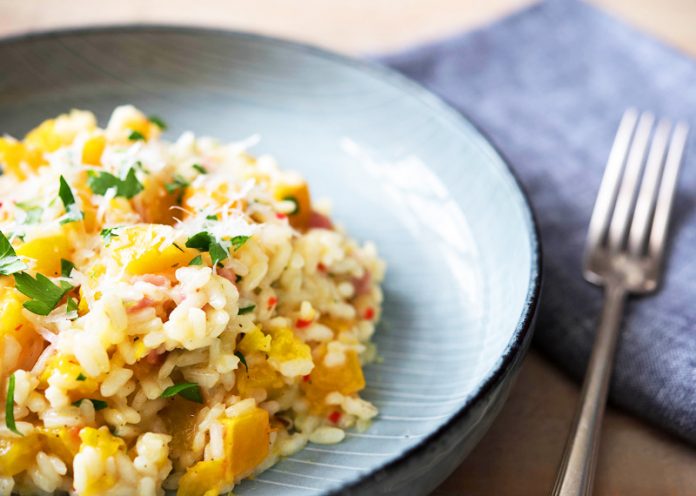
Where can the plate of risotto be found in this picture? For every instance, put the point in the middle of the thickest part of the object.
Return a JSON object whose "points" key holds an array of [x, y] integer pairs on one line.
{"points": [[235, 263]]}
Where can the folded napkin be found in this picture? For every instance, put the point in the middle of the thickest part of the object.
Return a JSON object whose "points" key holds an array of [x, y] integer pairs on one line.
{"points": [[549, 85]]}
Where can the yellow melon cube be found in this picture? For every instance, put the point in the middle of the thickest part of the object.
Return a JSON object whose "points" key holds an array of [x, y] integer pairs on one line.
{"points": [[63, 442], [203, 479], [140, 249], [246, 441], [289, 355], [18, 454], [93, 149], [260, 375], [45, 252], [346, 378], [54, 133], [254, 341], [17, 159], [16, 333]]}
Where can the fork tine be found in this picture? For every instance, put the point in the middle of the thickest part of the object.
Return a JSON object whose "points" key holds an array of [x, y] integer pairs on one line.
{"points": [[627, 192], [645, 204], [606, 197], [665, 196]]}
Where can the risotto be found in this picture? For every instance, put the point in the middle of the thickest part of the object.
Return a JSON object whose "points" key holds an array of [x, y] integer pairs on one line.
{"points": [[174, 315]]}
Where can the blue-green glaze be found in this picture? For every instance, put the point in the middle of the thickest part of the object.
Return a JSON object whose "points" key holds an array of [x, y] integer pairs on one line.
{"points": [[401, 168]]}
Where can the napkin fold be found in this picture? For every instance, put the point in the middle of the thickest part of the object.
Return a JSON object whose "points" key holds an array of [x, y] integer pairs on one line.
{"points": [[549, 86]]}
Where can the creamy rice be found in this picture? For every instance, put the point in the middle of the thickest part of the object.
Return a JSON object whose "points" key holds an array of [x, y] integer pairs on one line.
{"points": [[174, 314]]}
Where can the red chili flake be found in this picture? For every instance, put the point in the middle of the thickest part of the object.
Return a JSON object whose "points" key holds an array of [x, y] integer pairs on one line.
{"points": [[281, 216], [302, 323], [18, 327], [307, 378], [369, 313], [321, 267], [272, 301], [335, 417]]}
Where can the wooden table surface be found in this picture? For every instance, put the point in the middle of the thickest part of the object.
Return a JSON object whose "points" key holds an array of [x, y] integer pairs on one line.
{"points": [[519, 455]]}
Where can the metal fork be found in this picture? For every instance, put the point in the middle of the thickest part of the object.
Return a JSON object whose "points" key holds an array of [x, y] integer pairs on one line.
{"points": [[624, 253]]}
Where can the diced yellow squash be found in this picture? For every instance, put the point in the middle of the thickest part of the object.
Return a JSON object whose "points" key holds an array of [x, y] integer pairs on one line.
{"points": [[259, 376], [154, 203], [298, 193], [16, 158], [203, 479], [106, 445], [71, 371], [63, 442], [246, 441], [253, 341], [16, 331], [18, 454], [289, 355], [246, 444], [93, 149], [346, 378], [51, 134], [46, 252], [138, 248]]}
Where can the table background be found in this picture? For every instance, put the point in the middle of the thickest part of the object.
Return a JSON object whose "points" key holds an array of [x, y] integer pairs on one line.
{"points": [[519, 455]]}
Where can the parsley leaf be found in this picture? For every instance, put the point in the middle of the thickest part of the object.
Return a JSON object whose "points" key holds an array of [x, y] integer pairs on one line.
{"points": [[211, 217], [239, 355], [72, 212], [101, 182], [136, 135], [177, 184], [32, 213], [9, 261], [200, 168], [81, 377], [245, 310], [197, 260], [44, 295], [107, 233], [238, 241], [66, 267], [204, 241], [9, 406], [158, 122], [189, 390], [72, 307], [97, 404]]}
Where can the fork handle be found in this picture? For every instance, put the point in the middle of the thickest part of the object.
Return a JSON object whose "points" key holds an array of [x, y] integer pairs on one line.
{"points": [[576, 472]]}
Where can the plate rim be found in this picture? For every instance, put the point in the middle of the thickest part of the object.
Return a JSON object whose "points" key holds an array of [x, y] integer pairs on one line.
{"points": [[523, 329]]}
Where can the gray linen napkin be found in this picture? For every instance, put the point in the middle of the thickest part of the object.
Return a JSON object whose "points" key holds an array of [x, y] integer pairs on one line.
{"points": [[549, 85]]}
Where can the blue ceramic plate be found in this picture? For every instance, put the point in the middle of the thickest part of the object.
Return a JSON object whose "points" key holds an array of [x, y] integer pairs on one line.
{"points": [[402, 169]]}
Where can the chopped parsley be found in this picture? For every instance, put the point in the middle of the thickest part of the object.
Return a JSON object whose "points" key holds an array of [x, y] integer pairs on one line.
{"points": [[101, 182], [238, 241], [9, 406], [136, 136], [97, 404], [32, 213], [197, 260], [189, 390], [81, 377], [245, 310], [295, 202], [66, 267], [178, 247], [72, 306], [239, 355], [9, 261], [44, 295], [72, 212], [204, 241], [178, 183], [107, 233], [211, 217], [158, 122], [200, 168]]}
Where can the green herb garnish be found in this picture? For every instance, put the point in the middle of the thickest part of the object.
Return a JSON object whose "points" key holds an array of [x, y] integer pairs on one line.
{"points": [[204, 241], [239, 355], [211, 217], [97, 404], [44, 295], [33, 212], [189, 390], [80, 377], [9, 261], [158, 122], [101, 182], [200, 168], [72, 306], [107, 233], [238, 241], [66, 267], [136, 135], [295, 202], [178, 183], [9, 406], [245, 310], [72, 212], [197, 260]]}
